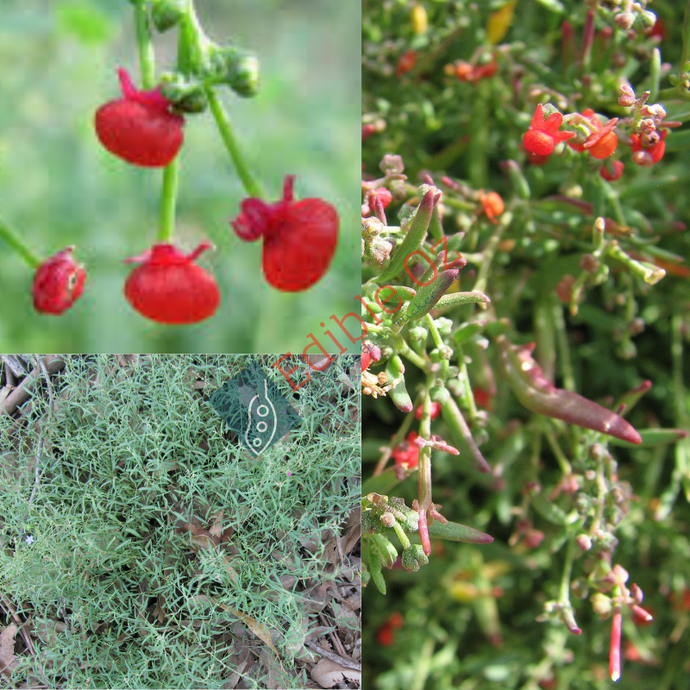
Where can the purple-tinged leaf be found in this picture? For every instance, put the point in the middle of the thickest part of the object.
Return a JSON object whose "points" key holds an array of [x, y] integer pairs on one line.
{"points": [[538, 394]]}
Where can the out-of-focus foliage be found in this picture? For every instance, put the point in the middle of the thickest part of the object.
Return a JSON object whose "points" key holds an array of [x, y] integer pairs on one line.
{"points": [[59, 187]]}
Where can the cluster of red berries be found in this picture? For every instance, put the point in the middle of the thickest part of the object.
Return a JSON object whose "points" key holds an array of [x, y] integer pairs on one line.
{"points": [[544, 135], [299, 237]]}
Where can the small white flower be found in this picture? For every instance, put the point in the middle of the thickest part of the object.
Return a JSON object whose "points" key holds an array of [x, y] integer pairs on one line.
{"points": [[29, 540]]}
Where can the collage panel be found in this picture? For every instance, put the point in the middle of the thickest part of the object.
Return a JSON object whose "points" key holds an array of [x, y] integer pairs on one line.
{"points": [[180, 521], [525, 368], [177, 175]]}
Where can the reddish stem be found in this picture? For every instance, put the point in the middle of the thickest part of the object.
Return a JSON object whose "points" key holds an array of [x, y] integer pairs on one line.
{"points": [[615, 649]]}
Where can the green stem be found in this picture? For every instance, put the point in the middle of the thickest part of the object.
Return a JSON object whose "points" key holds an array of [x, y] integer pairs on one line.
{"points": [[166, 227], [11, 239], [147, 63], [489, 251], [425, 453], [410, 354], [146, 56], [566, 469], [564, 590], [228, 136]]}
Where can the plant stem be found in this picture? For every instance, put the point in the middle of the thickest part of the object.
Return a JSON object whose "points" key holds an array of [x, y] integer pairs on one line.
{"points": [[489, 251], [564, 591], [147, 62], [11, 239], [425, 453], [166, 226], [228, 136]]}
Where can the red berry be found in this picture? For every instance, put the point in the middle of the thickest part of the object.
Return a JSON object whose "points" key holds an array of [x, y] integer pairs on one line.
{"points": [[542, 136], [58, 283], [300, 237], [170, 288], [647, 153], [139, 127], [612, 171], [602, 141]]}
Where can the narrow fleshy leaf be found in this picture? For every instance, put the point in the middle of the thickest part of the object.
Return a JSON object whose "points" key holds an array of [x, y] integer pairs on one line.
{"points": [[398, 394], [457, 299], [629, 399], [415, 235], [538, 394], [429, 295], [468, 330], [381, 484], [654, 437], [461, 436], [457, 532]]}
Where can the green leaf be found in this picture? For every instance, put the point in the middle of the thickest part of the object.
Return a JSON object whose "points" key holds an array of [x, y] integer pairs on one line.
{"points": [[457, 532], [653, 437], [381, 483]]}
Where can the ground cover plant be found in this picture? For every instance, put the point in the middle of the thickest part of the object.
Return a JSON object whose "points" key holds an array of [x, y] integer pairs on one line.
{"points": [[526, 310], [189, 160], [144, 547]]}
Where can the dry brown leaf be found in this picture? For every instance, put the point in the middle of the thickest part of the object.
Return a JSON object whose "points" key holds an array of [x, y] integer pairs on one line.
{"points": [[327, 673], [261, 631], [7, 648], [216, 529]]}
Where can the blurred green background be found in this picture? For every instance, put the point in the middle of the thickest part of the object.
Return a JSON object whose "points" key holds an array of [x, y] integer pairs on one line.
{"points": [[59, 187]]}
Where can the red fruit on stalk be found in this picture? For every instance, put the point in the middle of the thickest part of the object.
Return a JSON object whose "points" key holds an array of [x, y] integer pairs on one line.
{"points": [[542, 136], [648, 150], [58, 283], [602, 142], [299, 237], [139, 127], [169, 287]]}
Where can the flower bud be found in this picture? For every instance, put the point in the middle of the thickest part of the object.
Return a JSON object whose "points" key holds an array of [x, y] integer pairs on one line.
{"points": [[584, 541], [186, 96], [418, 333], [167, 13], [240, 71], [601, 604], [414, 557], [627, 97]]}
